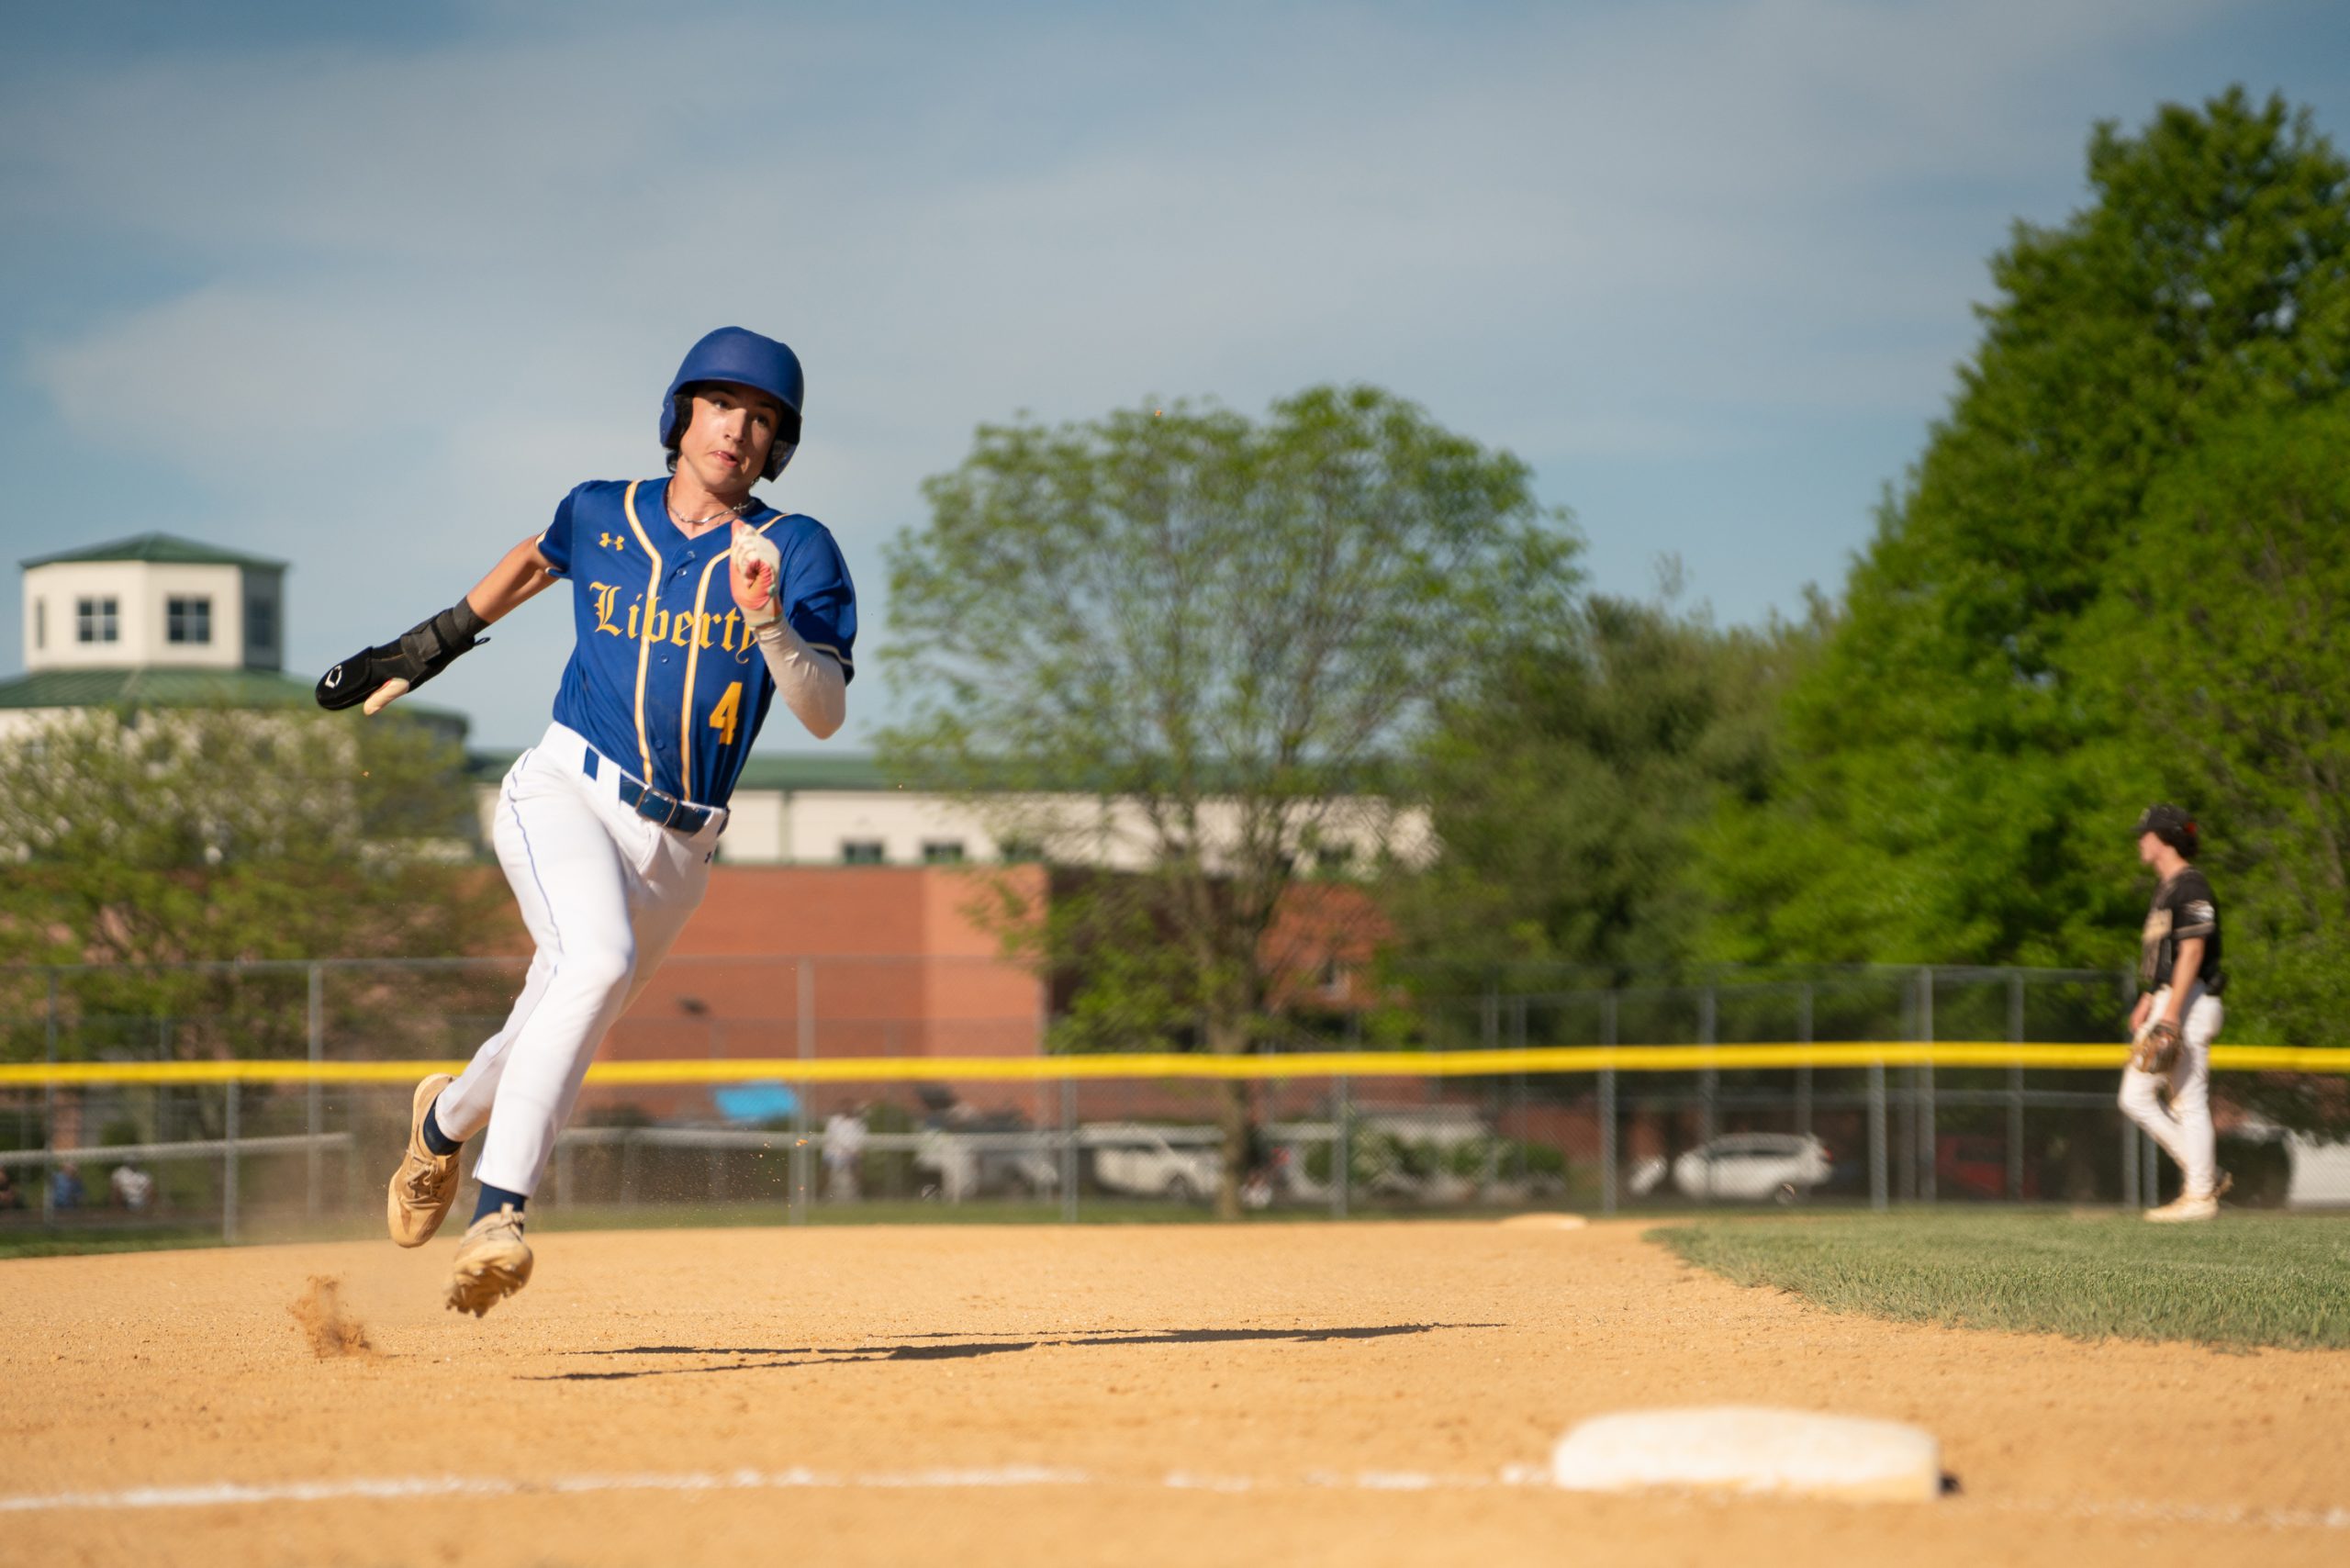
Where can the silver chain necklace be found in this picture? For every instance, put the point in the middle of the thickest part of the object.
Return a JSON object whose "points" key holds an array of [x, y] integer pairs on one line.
{"points": [[737, 510]]}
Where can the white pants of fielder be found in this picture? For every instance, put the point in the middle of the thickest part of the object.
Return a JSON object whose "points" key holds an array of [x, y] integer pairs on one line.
{"points": [[2183, 1127], [604, 893]]}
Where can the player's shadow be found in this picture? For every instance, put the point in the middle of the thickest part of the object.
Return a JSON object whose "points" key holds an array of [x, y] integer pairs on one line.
{"points": [[947, 1347]]}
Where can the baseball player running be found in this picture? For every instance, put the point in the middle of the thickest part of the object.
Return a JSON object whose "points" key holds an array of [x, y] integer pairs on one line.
{"points": [[2178, 1015], [695, 604]]}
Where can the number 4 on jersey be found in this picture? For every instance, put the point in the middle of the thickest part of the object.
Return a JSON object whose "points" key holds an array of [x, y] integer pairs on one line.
{"points": [[728, 713]]}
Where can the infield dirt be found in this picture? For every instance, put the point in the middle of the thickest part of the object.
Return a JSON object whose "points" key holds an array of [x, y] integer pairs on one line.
{"points": [[1269, 1394]]}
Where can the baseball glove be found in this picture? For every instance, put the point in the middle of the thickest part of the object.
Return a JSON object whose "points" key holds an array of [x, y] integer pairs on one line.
{"points": [[374, 676], [2155, 1050]]}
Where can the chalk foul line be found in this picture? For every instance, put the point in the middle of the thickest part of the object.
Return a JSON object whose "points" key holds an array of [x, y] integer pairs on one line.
{"points": [[225, 1493], [229, 1494]]}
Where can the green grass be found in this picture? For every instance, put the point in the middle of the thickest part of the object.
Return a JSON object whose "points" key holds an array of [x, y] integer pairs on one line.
{"points": [[73, 1243], [2243, 1279]]}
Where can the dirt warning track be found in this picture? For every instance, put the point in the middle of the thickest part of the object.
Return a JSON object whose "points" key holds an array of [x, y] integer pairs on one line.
{"points": [[1366, 1393]]}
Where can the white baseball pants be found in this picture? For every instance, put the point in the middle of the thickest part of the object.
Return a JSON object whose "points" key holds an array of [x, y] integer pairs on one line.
{"points": [[2184, 1126], [604, 893]]}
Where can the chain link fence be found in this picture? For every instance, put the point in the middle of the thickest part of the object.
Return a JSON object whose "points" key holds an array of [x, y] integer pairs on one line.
{"points": [[938, 1137]]}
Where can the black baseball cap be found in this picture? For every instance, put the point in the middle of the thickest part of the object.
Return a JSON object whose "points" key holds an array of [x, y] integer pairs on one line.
{"points": [[2169, 824]]}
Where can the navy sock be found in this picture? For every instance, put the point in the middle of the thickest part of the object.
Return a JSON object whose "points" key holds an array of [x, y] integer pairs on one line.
{"points": [[492, 1199], [435, 1140]]}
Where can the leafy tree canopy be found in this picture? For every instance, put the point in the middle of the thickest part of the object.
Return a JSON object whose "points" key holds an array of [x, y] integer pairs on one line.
{"points": [[172, 837], [1568, 790], [1960, 770], [1227, 632], [2227, 640]]}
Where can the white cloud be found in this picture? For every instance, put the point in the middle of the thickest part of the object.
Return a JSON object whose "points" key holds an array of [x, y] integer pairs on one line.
{"points": [[437, 286]]}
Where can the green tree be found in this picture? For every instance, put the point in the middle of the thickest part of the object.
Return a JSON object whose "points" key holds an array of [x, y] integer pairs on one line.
{"points": [[1222, 632], [150, 840], [1568, 788], [2226, 643], [1958, 777]]}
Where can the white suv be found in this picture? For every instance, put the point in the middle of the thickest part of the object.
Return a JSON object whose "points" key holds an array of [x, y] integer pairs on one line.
{"points": [[1742, 1168], [1141, 1160]]}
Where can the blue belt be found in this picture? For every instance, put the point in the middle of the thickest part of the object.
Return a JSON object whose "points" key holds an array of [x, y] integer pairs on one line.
{"points": [[651, 803]]}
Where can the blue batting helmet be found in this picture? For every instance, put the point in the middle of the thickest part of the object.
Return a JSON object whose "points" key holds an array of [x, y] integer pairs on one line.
{"points": [[732, 353]]}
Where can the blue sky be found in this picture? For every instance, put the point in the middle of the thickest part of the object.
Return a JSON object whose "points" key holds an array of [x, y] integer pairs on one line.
{"points": [[369, 289]]}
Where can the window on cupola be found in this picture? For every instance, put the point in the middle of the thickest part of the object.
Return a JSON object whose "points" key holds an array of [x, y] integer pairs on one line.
{"points": [[187, 620]]}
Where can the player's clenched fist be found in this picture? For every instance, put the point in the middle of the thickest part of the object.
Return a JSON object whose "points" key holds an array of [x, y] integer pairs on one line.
{"points": [[754, 565]]}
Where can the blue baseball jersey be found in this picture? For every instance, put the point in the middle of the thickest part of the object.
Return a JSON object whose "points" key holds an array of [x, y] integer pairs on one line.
{"points": [[666, 679]]}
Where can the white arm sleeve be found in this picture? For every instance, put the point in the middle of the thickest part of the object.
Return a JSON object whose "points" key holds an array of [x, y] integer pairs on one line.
{"points": [[811, 683]]}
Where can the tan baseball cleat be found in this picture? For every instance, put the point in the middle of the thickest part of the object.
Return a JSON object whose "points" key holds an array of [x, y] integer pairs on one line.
{"points": [[2185, 1207], [493, 1263], [426, 1184]]}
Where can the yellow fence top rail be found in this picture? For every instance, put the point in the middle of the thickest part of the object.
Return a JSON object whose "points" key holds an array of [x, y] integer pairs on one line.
{"points": [[1552, 1059]]}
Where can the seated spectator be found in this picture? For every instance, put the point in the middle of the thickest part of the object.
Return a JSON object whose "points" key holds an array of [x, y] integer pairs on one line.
{"points": [[133, 1188], [66, 1186], [9, 1197]]}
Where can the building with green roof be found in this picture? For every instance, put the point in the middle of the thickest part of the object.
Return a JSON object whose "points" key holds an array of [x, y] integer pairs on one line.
{"points": [[159, 621], [156, 621], [156, 549], [153, 602]]}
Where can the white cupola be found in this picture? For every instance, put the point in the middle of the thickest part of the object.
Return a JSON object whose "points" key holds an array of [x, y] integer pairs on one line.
{"points": [[154, 602]]}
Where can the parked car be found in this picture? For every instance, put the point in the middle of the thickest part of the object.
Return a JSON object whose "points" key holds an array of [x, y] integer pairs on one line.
{"points": [[1784, 1168], [1140, 1159]]}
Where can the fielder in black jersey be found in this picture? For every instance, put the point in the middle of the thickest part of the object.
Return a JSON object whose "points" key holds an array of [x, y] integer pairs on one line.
{"points": [[2183, 907], [2178, 1013]]}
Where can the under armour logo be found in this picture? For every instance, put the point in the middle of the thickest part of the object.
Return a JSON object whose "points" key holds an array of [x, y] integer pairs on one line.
{"points": [[612, 541], [334, 678]]}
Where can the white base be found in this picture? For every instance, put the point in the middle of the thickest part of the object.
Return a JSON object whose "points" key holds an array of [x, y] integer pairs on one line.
{"points": [[1751, 1449], [1544, 1222]]}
